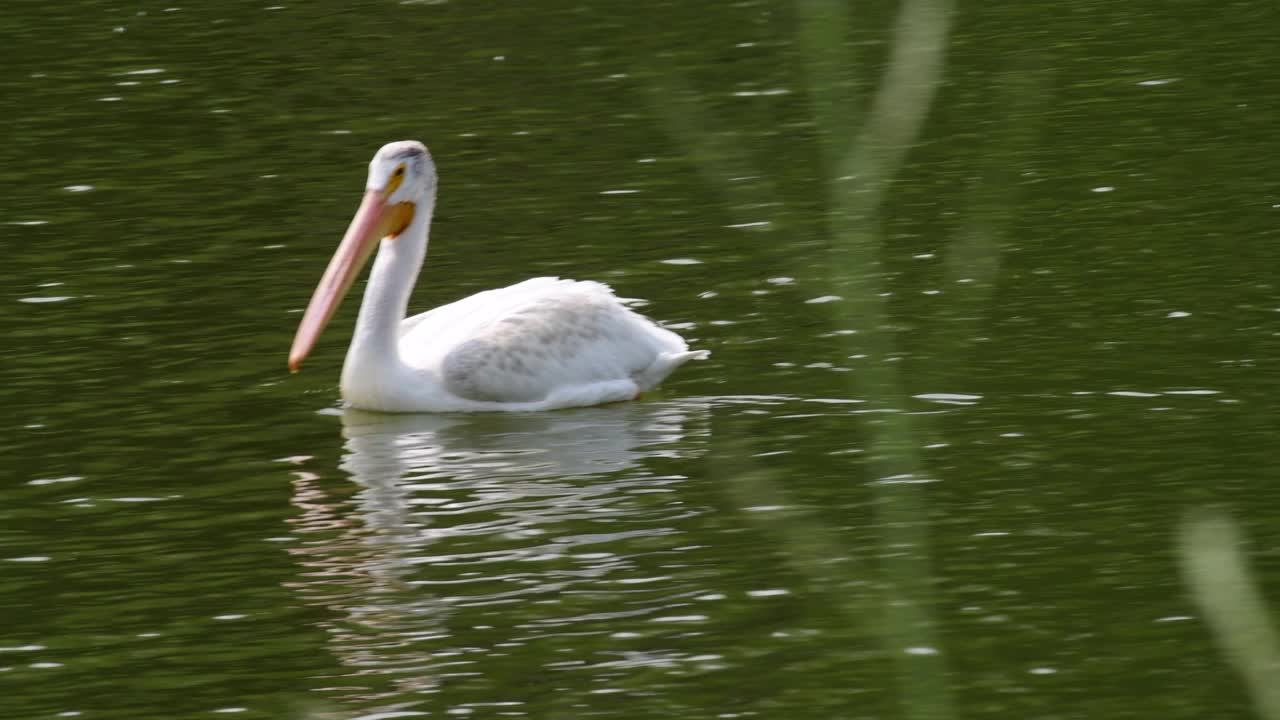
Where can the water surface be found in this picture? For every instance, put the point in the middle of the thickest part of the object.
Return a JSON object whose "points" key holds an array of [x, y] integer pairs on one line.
{"points": [[966, 503]]}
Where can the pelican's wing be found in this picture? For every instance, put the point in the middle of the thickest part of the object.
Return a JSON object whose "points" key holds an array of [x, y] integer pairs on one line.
{"points": [[526, 342]]}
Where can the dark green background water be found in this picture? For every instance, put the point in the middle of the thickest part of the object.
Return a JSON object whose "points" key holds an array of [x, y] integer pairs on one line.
{"points": [[1081, 325]]}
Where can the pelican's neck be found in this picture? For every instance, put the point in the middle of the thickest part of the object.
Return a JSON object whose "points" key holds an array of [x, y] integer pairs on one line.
{"points": [[375, 347]]}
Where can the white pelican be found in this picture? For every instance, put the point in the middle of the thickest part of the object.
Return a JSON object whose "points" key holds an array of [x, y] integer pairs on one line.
{"points": [[541, 344]]}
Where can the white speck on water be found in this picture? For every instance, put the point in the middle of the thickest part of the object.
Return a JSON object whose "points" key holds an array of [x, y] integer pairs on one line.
{"points": [[232, 616], [295, 459], [1011, 434], [118, 29], [762, 93], [499, 58], [647, 160], [170, 81], [775, 592], [930, 292], [23, 648], [78, 188], [1042, 671], [1103, 189], [70, 713], [765, 508], [227, 710], [924, 256], [643, 580], [53, 481], [949, 398], [45, 665], [618, 192], [30, 559], [711, 596], [1178, 314], [1192, 392], [1133, 393], [781, 280], [112, 98], [935, 446], [49, 299], [136, 499], [992, 533], [681, 261], [903, 479], [145, 71], [1175, 618], [219, 111], [276, 7], [625, 635], [708, 294], [128, 83], [822, 299], [920, 650], [339, 132], [679, 619], [1161, 81], [29, 223], [758, 224]]}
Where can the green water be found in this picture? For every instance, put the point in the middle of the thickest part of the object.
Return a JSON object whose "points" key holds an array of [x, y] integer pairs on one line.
{"points": [[937, 465]]}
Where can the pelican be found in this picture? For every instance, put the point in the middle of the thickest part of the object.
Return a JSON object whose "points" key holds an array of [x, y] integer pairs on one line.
{"points": [[541, 344]]}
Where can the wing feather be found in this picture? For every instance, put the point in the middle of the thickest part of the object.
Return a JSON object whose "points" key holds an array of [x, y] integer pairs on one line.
{"points": [[521, 343]]}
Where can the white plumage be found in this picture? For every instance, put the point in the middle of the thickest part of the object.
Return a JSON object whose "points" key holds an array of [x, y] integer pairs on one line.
{"points": [[540, 344]]}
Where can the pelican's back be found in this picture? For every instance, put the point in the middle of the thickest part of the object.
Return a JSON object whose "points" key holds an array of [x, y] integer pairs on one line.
{"points": [[546, 338]]}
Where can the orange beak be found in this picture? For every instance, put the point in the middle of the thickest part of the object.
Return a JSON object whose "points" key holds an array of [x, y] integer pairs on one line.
{"points": [[373, 221]]}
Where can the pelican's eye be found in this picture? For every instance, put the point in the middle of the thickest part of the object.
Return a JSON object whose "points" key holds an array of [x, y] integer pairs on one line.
{"points": [[397, 177]]}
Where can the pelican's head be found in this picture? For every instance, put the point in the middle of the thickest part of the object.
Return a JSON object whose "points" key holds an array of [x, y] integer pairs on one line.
{"points": [[401, 184], [402, 172]]}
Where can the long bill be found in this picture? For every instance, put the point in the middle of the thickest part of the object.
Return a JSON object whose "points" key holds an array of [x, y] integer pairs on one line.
{"points": [[371, 223]]}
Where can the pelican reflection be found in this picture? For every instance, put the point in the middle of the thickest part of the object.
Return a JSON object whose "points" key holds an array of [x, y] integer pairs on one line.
{"points": [[456, 516]]}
